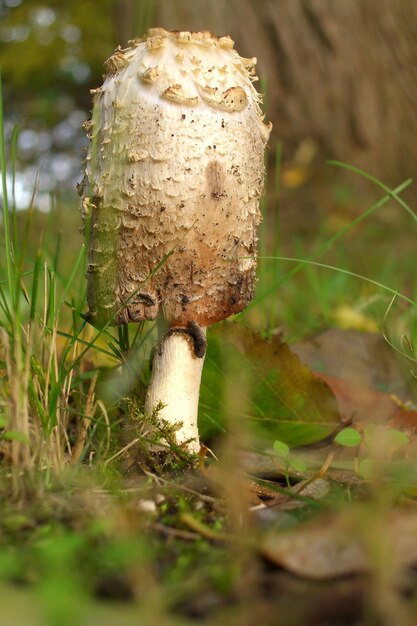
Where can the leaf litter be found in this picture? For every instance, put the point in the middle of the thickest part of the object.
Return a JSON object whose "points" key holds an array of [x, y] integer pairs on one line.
{"points": [[366, 391], [295, 524], [341, 544]]}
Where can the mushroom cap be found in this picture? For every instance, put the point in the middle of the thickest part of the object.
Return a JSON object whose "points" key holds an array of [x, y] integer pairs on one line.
{"points": [[173, 177]]}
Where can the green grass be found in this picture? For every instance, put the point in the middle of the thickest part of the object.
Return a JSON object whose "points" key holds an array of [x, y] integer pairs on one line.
{"points": [[302, 289]]}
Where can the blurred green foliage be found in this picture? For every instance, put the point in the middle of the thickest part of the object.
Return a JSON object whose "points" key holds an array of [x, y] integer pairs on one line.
{"points": [[51, 51], [51, 55]]}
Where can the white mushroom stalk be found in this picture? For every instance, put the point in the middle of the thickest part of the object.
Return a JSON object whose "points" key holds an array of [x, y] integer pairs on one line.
{"points": [[171, 193]]}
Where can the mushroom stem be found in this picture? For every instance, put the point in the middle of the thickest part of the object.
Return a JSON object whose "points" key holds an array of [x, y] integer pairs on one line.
{"points": [[175, 382]]}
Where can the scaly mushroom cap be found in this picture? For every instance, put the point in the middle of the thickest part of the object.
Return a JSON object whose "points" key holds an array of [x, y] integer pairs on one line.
{"points": [[175, 165]]}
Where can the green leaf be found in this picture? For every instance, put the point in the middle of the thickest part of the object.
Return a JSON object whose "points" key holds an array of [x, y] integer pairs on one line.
{"points": [[366, 468], [397, 437], [379, 434], [281, 448], [262, 387], [348, 437], [14, 435], [298, 464]]}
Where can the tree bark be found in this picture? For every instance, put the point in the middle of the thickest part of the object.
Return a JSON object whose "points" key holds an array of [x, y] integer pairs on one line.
{"points": [[342, 73], [123, 11]]}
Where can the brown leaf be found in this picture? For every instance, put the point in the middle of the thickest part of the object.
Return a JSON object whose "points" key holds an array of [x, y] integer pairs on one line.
{"points": [[357, 357], [358, 366], [361, 405], [343, 544]]}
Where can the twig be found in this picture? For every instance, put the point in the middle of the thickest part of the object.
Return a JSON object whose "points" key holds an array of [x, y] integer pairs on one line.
{"points": [[202, 529], [203, 497], [322, 471], [120, 452], [175, 532]]}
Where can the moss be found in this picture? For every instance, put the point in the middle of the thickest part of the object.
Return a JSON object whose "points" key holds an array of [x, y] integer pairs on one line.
{"points": [[154, 448]]}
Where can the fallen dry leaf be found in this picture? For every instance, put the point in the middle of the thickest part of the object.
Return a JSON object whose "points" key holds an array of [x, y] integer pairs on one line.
{"points": [[357, 357], [339, 544], [360, 404], [364, 375]]}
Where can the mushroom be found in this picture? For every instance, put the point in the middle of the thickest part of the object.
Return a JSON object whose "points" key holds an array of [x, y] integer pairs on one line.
{"points": [[173, 177]]}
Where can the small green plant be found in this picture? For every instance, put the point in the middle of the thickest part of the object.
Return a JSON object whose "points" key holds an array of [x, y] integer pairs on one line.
{"points": [[382, 453], [152, 442], [289, 460], [348, 437]]}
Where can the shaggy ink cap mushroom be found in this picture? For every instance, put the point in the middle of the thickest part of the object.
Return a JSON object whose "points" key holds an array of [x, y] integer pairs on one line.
{"points": [[173, 178]]}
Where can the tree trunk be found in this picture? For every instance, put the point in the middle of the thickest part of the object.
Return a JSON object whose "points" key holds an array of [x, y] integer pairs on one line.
{"points": [[342, 73], [123, 11]]}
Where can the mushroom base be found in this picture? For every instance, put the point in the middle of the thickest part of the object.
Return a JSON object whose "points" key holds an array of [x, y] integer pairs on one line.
{"points": [[175, 382]]}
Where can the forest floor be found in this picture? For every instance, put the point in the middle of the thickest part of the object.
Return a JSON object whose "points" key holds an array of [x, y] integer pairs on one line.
{"points": [[324, 535]]}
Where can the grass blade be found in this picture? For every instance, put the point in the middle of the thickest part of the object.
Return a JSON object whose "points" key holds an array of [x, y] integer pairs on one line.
{"points": [[35, 285], [303, 262], [329, 242], [6, 214], [393, 193]]}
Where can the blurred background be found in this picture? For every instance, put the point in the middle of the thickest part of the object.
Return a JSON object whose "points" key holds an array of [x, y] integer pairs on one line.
{"points": [[340, 78], [339, 81]]}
